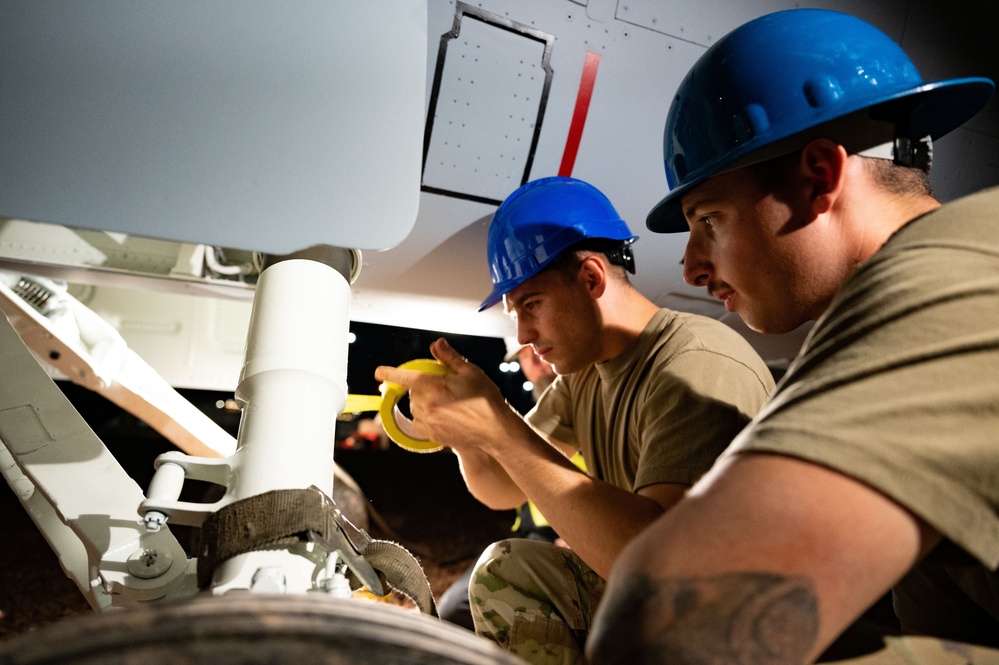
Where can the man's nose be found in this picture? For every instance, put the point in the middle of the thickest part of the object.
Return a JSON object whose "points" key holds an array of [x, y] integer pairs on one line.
{"points": [[696, 266], [525, 333]]}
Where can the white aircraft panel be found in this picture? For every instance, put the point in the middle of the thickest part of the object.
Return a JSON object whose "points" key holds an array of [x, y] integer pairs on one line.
{"points": [[247, 124], [706, 21]]}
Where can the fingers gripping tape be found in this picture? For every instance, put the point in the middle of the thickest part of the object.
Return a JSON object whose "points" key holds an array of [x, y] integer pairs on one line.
{"points": [[394, 421]]}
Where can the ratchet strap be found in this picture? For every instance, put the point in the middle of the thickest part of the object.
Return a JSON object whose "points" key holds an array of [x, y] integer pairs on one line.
{"points": [[284, 517], [386, 404]]}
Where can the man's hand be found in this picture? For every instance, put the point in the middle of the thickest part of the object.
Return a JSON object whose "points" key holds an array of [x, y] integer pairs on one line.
{"points": [[460, 409]]}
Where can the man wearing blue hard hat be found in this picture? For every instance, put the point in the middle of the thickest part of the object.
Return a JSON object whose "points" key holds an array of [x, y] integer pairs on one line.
{"points": [[797, 152], [650, 397]]}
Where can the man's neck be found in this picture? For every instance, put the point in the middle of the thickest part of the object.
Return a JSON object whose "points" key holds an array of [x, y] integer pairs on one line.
{"points": [[625, 315], [904, 211]]}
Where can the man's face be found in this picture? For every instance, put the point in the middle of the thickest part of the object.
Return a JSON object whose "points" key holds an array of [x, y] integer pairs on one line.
{"points": [[761, 253], [556, 316], [534, 368]]}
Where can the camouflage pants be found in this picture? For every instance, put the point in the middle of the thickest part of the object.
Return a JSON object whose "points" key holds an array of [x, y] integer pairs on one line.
{"points": [[534, 599], [911, 650]]}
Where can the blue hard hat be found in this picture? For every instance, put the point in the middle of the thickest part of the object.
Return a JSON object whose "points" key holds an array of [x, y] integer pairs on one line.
{"points": [[783, 79], [540, 220]]}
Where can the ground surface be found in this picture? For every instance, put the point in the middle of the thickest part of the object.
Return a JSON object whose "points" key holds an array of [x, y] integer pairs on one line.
{"points": [[421, 501]]}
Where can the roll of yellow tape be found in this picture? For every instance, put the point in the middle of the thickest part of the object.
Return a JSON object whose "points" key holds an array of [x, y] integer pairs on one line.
{"points": [[387, 406], [392, 419]]}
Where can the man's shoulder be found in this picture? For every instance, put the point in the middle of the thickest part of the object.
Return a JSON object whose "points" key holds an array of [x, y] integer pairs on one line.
{"points": [[985, 199], [976, 215], [695, 335], [703, 332], [972, 219]]}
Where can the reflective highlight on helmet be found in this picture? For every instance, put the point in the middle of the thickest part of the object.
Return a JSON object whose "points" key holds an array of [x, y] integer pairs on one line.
{"points": [[783, 79], [538, 222]]}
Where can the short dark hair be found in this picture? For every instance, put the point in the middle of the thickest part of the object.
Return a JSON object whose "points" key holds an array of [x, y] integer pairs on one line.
{"points": [[617, 253], [901, 180], [893, 178]]}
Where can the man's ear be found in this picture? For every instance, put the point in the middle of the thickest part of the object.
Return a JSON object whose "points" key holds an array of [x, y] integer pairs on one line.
{"points": [[823, 164], [593, 275]]}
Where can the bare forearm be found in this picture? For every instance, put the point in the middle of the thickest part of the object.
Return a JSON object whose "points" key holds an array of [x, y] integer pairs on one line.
{"points": [[487, 481], [595, 518], [736, 574], [741, 618]]}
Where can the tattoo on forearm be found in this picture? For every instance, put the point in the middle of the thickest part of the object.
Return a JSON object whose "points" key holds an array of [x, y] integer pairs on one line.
{"points": [[737, 618]]}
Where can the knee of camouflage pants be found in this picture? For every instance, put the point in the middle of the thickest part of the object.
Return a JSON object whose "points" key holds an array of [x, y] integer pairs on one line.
{"points": [[534, 599], [921, 650]]}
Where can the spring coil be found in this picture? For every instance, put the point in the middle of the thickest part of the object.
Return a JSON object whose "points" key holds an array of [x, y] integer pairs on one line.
{"points": [[35, 294]]}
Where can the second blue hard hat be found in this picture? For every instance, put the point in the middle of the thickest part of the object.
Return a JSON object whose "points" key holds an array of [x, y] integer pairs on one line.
{"points": [[538, 222], [772, 80]]}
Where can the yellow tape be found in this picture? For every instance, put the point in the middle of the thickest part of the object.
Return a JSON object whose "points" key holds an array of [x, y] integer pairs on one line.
{"points": [[386, 405], [359, 403]]}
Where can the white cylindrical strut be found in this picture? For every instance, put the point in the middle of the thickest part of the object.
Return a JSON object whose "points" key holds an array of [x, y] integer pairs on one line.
{"points": [[294, 379], [292, 388]]}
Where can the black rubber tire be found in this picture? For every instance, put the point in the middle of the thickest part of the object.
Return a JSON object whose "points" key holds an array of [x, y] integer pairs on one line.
{"points": [[352, 503], [252, 629]]}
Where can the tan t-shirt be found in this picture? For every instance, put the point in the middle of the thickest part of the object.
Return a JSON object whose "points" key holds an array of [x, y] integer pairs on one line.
{"points": [[897, 384], [662, 411]]}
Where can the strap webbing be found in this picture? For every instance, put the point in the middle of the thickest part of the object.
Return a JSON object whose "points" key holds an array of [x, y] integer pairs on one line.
{"points": [[284, 517]]}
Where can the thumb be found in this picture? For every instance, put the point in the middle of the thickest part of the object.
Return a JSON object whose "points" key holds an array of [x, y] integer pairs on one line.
{"points": [[445, 354]]}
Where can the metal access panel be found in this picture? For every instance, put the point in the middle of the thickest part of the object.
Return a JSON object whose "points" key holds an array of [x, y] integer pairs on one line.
{"points": [[706, 21], [486, 106], [242, 123]]}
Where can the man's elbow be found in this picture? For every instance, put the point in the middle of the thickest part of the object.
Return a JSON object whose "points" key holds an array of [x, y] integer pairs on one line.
{"points": [[497, 500], [615, 636], [496, 504]]}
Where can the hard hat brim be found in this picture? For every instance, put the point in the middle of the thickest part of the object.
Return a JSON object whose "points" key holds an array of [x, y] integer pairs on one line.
{"points": [[491, 300], [931, 109]]}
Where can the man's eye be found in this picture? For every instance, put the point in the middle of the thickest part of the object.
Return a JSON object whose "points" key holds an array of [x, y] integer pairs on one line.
{"points": [[708, 221]]}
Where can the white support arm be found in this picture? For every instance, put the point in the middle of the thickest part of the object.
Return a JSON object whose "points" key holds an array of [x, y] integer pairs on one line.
{"points": [[80, 498], [91, 353]]}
